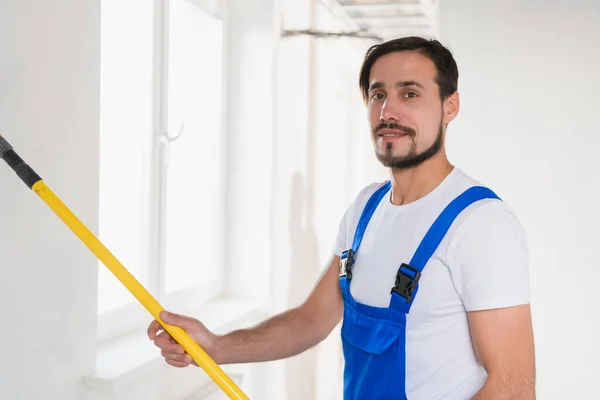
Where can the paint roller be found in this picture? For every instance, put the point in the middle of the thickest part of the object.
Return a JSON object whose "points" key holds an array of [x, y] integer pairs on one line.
{"points": [[35, 183]]}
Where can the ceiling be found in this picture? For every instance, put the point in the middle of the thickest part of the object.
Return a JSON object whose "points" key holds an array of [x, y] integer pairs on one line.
{"points": [[389, 19]]}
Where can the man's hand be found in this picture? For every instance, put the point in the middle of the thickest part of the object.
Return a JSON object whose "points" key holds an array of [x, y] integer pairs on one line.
{"points": [[173, 352], [283, 335], [503, 341]]}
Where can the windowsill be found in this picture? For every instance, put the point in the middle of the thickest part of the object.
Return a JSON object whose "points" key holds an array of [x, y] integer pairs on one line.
{"points": [[125, 360]]}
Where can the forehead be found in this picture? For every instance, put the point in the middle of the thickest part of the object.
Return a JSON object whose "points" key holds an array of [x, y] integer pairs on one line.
{"points": [[403, 66]]}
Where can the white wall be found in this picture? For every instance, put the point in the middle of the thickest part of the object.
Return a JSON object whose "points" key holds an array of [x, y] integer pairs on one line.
{"points": [[49, 111], [294, 106], [529, 128], [251, 27], [319, 120]]}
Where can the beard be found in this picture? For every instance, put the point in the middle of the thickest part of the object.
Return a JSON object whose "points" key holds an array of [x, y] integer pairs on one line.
{"points": [[412, 159]]}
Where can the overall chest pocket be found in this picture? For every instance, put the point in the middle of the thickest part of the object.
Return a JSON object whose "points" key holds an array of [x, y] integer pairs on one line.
{"points": [[373, 342], [373, 332]]}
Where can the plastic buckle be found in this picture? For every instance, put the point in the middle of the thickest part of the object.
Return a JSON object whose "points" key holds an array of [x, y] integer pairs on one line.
{"points": [[406, 284], [346, 263]]}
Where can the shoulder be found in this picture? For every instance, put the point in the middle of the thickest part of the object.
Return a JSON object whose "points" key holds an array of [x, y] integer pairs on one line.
{"points": [[349, 219], [488, 255], [363, 195], [489, 218], [358, 203], [492, 221]]}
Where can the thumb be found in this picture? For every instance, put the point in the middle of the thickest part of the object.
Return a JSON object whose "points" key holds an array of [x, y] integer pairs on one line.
{"points": [[187, 323]]}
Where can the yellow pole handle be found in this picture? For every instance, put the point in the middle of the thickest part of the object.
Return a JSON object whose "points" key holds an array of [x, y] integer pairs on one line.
{"points": [[127, 279]]}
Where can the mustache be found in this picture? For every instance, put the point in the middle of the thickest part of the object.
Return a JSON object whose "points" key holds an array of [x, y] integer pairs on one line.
{"points": [[395, 126]]}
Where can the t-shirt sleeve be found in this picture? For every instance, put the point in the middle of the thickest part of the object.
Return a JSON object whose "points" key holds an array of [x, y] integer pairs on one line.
{"points": [[489, 259]]}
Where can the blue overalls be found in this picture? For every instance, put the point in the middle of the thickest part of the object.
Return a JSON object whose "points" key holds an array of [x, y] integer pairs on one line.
{"points": [[374, 338]]}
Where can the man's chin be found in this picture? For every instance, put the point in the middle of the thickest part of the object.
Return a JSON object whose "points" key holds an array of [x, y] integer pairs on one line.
{"points": [[399, 162], [390, 162], [391, 158]]}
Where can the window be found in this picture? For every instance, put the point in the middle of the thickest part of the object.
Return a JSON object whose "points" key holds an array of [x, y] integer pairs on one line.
{"points": [[161, 156]]}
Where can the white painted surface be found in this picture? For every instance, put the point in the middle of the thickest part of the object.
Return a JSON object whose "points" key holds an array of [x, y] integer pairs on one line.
{"points": [[49, 111], [528, 127]]}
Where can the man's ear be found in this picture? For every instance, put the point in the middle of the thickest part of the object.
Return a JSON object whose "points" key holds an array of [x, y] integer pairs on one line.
{"points": [[451, 107]]}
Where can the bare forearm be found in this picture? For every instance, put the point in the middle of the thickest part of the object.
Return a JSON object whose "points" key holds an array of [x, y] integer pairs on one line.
{"points": [[281, 336], [507, 389]]}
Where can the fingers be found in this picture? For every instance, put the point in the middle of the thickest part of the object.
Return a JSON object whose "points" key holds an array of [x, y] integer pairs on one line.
{"points": [[181, 358], [153, 329], [184, 322], [165, 342], [177, 364]]}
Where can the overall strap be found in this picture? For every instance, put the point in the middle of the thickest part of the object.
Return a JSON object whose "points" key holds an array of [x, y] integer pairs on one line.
{"points": [[348, 256], [408, 275]]}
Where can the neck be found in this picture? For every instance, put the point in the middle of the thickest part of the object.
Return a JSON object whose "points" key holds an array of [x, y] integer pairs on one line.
{"points": [[411, 184]]}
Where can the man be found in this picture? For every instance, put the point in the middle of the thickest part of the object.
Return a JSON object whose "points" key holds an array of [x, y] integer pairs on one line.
{"points": [[435, 304]]}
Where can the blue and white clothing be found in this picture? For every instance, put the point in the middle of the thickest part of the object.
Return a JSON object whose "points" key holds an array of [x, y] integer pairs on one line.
{"points": [[481, 263]]}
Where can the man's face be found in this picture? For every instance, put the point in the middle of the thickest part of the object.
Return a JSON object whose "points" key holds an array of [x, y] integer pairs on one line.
{"points": [[406, 114]]}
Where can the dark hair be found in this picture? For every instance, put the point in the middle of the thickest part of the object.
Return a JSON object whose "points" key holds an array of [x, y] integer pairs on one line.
{"points": [[447, 71]]}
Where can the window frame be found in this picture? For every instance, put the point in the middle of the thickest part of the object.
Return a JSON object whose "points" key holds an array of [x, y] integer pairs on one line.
{"points": [[133, 316]]}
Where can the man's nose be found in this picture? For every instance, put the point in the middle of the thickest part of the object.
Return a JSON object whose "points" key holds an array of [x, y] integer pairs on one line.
{"points": [[391, 110]]}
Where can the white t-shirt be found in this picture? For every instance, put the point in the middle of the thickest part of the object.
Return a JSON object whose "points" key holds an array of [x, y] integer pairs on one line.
{"points": [[482, 263]]}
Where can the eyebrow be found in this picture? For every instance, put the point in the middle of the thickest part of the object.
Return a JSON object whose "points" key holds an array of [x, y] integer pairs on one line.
{"points": [[401, 84]]}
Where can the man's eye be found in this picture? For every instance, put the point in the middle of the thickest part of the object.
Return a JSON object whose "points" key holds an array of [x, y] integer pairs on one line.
{"points": [[377, 96], [410, 95]]}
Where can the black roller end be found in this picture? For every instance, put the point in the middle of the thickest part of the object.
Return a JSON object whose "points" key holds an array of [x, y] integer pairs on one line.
{"points": [[4, 146], [24, 171]]}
